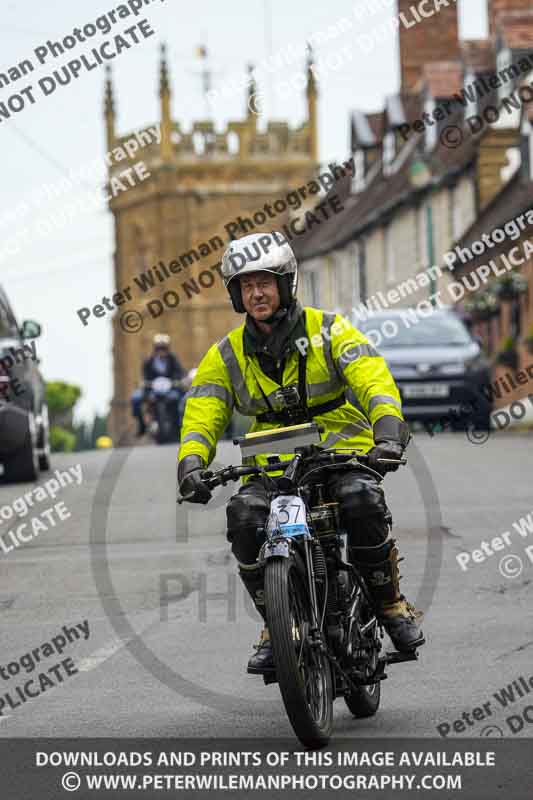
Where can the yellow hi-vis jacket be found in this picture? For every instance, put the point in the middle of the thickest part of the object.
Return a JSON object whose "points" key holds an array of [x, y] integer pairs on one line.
{"points": [[339, 357]]}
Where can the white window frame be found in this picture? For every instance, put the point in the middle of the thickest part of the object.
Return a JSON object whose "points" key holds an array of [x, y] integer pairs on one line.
{"points": [[389, 152], [390, 256], [471, 105], [431, 133], [358, 180], [504, 59]]}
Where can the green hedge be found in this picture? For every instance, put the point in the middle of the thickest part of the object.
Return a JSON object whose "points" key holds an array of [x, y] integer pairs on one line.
{"points": [[61, 440]]}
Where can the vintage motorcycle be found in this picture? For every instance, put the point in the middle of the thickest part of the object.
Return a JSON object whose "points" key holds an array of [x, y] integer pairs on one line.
{"points": [[164, 406], [326, 638]]}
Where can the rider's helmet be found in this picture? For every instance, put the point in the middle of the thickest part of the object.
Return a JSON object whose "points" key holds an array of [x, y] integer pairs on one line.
{"points": [[161, 341], [258, 252]]}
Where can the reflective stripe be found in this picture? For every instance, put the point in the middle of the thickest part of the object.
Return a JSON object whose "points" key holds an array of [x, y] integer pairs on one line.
{"points": [[197, 437], [211, 390], [245, 403], [378, 399], [353, 353], [316, 389], [352, 429]]}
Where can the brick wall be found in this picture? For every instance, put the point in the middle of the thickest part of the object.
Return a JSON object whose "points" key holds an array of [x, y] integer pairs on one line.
{"points": [[495, 7], [434, 38]]}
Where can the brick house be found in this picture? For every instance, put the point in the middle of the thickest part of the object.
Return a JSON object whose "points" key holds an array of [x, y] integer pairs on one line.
{"points": [[450, 156]]}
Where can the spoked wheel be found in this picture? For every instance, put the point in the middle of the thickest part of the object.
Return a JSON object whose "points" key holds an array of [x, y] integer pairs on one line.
{"points": [[164, 422], [364, 701], [303, 672]]}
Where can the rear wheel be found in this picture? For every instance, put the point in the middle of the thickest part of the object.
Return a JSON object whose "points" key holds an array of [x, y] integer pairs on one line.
{"points": [[303, 672], [364, 701]]}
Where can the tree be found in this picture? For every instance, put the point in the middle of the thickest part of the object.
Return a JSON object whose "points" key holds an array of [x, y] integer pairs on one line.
{"points": [[61, 398]]}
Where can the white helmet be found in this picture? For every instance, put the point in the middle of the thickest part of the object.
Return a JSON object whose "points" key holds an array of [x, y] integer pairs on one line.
{"points": [[161, 340], [260, 252]]}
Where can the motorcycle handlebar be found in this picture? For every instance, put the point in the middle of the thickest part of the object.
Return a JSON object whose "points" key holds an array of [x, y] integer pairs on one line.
{"points": [[223, 476]]}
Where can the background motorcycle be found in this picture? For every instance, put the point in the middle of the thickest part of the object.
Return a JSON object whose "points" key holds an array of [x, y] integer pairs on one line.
{"points": [[164, 405]]}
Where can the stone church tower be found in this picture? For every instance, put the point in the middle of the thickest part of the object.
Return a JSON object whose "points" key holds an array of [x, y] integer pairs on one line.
{"points": [[171, 226]]}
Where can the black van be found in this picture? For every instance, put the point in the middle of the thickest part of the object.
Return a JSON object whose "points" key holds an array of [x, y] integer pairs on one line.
{"points": [[24, 427]]}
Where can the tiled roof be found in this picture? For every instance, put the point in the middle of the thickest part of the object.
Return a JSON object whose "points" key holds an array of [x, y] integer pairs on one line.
{"points": [[383, 194]]}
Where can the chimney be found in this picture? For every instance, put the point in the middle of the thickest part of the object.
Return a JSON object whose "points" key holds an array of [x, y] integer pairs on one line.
{"points": [[498, 6], [426, 39]]}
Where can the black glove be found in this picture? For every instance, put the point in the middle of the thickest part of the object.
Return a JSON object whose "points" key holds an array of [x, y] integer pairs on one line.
{"points": [[391, 436], [385, 450], [190, 471]]}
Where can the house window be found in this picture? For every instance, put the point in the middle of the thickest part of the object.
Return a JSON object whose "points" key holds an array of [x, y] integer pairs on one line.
{"points": [[334, 281], [312, 292], [361, 268], [358, 180], [422, 244], [516, 319], [526, 148], [431, 129], [390, 256], [389, 152], [455, 221], [530, 141], [470, 95], [504, 61]]}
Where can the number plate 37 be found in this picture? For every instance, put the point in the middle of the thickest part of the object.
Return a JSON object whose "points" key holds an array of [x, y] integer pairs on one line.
{"points": [[288, 515]]}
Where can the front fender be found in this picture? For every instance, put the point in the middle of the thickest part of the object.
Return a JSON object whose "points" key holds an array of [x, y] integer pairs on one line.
{"points": [[275, 548]]}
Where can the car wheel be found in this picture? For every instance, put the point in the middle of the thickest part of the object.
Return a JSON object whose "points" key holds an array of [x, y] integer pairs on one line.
{"points": [[23, 465], [43, 441]]}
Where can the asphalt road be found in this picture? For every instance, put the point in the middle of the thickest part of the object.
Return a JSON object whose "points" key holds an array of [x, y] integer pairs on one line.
{"points": [[179, 669]]}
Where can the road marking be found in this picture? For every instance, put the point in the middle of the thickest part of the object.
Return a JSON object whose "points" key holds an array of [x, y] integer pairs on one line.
{"points": [[109, 650], [103, 654]]}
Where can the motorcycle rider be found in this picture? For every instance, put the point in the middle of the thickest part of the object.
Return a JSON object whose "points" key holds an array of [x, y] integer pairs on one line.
{"points": [[160, 364], [282, 344]]}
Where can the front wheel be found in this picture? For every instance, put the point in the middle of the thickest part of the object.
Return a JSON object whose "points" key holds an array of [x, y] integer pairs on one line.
{"points": [[302, 670], [164, 422]]}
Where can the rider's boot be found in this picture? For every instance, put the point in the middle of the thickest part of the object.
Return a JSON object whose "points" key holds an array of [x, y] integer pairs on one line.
{"points": [[262, 660], [379, 567]]}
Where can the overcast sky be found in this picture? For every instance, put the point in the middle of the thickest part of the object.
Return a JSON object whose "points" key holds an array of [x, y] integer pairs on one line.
{"points": [[57, 272]]}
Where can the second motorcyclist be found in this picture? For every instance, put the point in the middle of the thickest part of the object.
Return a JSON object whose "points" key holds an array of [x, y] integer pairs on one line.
{"points": [[162, 363]]}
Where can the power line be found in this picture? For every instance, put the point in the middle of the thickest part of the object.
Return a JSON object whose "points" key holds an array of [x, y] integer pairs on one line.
{"points": [[44, 154]]}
